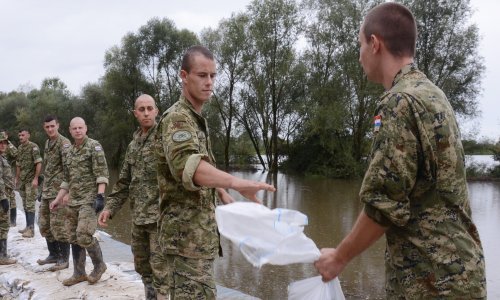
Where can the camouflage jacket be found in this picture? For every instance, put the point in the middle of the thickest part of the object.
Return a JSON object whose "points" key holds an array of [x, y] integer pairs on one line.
{"points": [[187, 224], [53, 159], [85, 167], [6, 179], [11, 154], [415, 185], [28, 155], [138, 180]]}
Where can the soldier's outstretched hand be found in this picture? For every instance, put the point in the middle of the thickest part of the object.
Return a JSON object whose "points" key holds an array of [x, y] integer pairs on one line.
{"points": [[249, 188]]}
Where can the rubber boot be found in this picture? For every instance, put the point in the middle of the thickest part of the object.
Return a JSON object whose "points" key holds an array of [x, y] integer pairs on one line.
{"points": [[26, 227], [99, 266], [150, 292], [62, 260], [30, 229], [13, 217], [53, 253], [4, 259], [79, 274]]}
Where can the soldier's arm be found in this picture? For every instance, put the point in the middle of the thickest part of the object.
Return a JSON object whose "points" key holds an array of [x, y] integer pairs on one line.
{"points": [[120, 192], [100, 168], [392, 172], [209, 176], [3, 195]]}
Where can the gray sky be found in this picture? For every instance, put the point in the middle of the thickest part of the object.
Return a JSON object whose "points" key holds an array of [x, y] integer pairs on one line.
{"points": [[68, 39]]}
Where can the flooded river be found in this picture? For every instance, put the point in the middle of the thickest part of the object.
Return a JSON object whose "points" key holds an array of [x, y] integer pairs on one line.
{"points": [[332, 208]]}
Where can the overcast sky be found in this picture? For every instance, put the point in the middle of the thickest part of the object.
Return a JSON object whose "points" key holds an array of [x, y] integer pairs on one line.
{"points": [[68, 39]]}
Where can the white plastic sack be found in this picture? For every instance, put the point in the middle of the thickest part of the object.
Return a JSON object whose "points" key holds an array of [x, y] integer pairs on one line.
{"points": [[315, 289], [266, 236]]}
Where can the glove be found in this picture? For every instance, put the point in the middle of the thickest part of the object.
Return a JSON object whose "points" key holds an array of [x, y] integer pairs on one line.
{"points": [[39, 197], [99, 203], [5, 205]]}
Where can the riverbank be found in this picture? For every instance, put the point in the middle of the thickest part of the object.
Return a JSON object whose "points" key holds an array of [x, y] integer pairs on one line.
{"points": [[28, 280]]}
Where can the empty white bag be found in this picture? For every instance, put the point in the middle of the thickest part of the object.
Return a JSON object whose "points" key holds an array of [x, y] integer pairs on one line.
{"points": [[266, 236]]}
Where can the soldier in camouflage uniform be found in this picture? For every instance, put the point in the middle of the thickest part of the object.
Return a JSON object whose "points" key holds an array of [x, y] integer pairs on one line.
{"points": [[138, 182], [85, 179], [414, 190], [51, 223], [28, 168], [189, 182], [11, 155], [6, 189]]}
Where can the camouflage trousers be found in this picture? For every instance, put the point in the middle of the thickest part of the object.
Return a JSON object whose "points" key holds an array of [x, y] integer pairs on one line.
{"points": [[28, 194], [51, 223], [186, 278], [12, 199], [4, 224], [81, 223], [146, 251]]}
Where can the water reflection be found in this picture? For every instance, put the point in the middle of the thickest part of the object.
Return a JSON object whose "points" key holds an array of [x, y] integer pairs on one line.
{"points": [[332, 207]]}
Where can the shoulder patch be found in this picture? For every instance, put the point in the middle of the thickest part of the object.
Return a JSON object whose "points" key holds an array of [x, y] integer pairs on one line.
{"points": [[66, 145], [181, 136], [35, 148], [377, 122], [98, 148]]}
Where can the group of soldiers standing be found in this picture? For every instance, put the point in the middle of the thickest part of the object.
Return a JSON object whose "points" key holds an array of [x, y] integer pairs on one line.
{"points": [[168, 175]]}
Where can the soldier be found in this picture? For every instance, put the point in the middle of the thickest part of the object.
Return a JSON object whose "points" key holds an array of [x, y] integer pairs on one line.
{"points": [[189, 181], [138, 182], [11, 155], [28, 168], [414, 190], [6, 189], [52, 222], [85, 179]]}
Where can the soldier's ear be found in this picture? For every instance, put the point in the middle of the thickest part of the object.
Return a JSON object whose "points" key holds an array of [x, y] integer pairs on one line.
{"points": [[183, 75]]}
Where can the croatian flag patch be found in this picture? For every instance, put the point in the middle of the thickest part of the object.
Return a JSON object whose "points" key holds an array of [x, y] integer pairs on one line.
{"points": [[377, 122]]}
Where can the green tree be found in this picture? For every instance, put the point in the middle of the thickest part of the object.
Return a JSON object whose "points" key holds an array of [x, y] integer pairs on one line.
{"points": [[228, 42], [271, 90], [447, 50]]}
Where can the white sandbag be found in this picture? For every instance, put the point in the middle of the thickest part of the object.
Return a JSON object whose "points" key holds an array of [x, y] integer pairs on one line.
{"points": [[266, 236], [315, 289]]}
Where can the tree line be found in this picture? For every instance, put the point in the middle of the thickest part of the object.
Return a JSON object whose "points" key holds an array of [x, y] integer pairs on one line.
{"points": [[290, 91]]}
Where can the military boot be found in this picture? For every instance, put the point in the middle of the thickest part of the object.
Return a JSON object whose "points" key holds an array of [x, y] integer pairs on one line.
{"points": [[53, 253], [26, 227], [30, 228], [62, 260], [13, 217], [4, 259], [79, 274], [99, 266], [150, 292]]}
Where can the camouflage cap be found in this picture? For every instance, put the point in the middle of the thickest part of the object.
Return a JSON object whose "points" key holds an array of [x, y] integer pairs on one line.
{"points": [[3, 136]]}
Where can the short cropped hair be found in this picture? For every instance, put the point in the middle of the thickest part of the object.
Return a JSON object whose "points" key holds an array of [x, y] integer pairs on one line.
{"points": [[191, 52], [50, 118], [395, 25], [24, 129]]}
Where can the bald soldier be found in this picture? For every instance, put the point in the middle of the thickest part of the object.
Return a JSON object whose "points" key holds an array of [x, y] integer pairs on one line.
{"points": [[85, 179], [138, 182], [415, 190]]}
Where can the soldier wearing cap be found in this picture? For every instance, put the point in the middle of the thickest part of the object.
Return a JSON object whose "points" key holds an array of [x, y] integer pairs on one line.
{"points": [[85, 179], [28, 169], [6, 190], [11, 155]]}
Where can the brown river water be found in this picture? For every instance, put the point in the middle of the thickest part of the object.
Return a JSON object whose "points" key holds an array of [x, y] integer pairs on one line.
{"points": [[332, 207]]}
